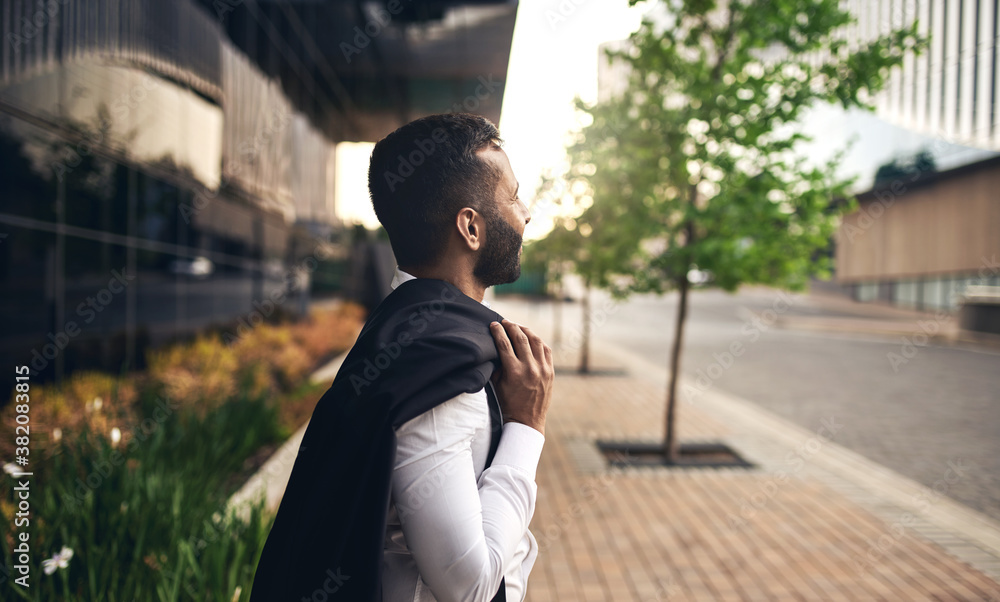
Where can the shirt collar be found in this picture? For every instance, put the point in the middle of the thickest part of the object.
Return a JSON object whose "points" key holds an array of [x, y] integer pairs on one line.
{"points": [[399, 277]]}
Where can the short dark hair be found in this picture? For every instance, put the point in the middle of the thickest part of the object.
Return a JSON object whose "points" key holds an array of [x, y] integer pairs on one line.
{"points": [[423, 173]]}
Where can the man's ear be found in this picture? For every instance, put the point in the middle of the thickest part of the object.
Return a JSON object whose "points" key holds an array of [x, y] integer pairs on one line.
{"points": [[469, 224]]}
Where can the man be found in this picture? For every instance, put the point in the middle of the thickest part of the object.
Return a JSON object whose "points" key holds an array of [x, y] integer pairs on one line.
{"points": [[409, 484]]}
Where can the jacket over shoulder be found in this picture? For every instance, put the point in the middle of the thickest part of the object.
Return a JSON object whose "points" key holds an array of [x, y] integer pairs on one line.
{"points": [[424, 344]]}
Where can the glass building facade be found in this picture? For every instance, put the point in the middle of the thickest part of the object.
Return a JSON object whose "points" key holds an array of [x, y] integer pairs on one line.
{"points": [[149, 186], [952, 91]]}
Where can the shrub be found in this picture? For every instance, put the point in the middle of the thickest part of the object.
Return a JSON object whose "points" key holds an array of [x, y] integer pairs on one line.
{"points": [[269, 354], [95, 400], [329, 331], [201, 374], [140, 510], [143, 518]]}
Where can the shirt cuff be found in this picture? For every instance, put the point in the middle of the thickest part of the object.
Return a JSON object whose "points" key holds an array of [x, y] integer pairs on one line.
{"points": [[520, 446]]}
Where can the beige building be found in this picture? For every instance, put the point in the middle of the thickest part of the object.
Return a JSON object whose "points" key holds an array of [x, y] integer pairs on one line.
{"points": [[919, 241]]}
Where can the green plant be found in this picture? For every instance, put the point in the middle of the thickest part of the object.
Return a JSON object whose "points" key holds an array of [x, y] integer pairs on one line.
{"points": [[143, 516], [130, 494]]}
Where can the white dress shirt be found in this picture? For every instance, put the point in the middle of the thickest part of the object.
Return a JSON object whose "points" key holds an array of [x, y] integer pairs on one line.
{"points": [[454, 529]]}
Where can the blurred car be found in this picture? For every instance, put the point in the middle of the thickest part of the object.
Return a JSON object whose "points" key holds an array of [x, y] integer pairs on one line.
{"points": [[700, 277], [197, 267]]}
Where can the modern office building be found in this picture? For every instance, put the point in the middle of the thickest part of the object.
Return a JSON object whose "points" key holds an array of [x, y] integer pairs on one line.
{"points": [[169, 165], [952, 91], [920, 240]]}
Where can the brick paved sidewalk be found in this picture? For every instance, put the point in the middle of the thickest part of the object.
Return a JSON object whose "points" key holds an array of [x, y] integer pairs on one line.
{"points": [[812, 521], [791, 529]]}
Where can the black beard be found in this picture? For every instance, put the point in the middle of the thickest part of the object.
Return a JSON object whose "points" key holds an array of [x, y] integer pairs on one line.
{"points": [[500, 261]]}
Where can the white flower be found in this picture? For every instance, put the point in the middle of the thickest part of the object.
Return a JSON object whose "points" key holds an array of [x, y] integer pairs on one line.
{"points": [[116, 436], [11, 468], [98, 402], [56, 434], [59, 561]]}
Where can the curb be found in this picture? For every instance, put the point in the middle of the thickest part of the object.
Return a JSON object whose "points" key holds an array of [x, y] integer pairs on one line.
{"points": [[759, 435], [269, 482], [880, 313], [883, 329]]}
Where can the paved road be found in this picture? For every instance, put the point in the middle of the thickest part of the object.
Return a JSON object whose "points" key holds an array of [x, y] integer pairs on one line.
{"points": [[941, 406]]}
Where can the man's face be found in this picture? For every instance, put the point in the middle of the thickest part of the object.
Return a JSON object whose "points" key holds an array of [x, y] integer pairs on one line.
{"points": [[499, 260]]}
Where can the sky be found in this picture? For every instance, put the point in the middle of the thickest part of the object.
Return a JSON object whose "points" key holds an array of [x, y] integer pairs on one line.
{"points": [[553, 59], [876, 142]]}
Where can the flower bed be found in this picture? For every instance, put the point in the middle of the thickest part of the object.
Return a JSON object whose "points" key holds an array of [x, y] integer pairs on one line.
{"points": [[131, 473]]}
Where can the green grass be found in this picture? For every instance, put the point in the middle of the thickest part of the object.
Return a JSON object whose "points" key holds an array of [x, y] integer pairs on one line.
{"points": [[143, 518]]}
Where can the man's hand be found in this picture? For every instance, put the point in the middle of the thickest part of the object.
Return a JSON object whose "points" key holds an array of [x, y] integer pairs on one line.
{"points": [[524, 382]]}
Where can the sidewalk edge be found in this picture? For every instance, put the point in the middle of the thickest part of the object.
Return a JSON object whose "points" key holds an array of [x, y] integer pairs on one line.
{"points": [[270, 480], [881, 482]]}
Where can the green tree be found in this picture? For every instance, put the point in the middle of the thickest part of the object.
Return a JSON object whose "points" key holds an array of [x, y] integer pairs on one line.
{"points": [[575, 245], [911, 167], [698, 162]]}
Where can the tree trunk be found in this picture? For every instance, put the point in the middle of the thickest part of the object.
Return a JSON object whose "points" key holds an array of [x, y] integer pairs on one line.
{"points": [[585, 346], [557, 317], [670, 446]]}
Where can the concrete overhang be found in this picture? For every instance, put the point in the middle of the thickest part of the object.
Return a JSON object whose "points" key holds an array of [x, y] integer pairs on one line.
{"points": [[360, 69]]}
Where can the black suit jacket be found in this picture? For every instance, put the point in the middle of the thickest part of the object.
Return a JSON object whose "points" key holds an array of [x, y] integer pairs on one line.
{"points": [[422, 345]]}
